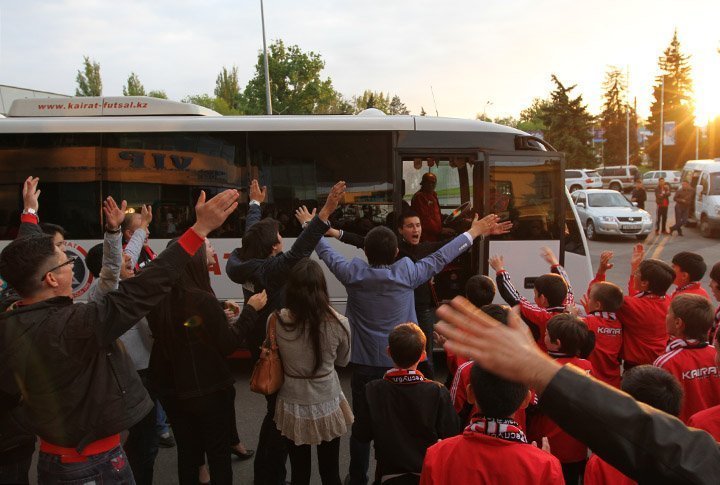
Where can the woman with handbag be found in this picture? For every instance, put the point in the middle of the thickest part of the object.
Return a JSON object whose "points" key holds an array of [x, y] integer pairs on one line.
{"points": [[189, 371], [312, 339]]}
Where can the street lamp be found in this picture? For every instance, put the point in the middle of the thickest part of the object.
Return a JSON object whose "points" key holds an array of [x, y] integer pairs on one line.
{"points": [[268, 101]]}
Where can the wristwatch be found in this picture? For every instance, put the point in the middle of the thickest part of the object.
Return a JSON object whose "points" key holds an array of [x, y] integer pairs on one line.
{"points": [[30, 211]]}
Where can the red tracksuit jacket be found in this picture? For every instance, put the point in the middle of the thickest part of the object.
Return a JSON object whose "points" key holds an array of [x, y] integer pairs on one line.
{"points": [[599, 472], [693, 363], [427, 208], [476, 459], [693, 288], [708, 420], [605, 357]]}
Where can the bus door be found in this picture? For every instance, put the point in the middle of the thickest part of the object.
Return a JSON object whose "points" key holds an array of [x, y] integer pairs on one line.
{"points": [[528, 190], [454, 189]]}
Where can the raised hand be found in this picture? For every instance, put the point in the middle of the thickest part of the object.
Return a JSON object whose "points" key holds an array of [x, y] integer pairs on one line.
{"points": [[31, 193], [146, 216], [213, 213], [303, 215], [605, 264], [500, 228], [114, 215], [585, 302], [548, 255], [637, 256], [258, 300], [334, 197], [256, 193], [497, 262]]}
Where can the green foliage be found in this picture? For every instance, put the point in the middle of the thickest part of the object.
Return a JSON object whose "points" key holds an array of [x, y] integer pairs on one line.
{"points": [[158, 93], [88, 79], [227, 88], [506, 121], [678, 107], [531, 117], [296, 85], [568, 125], [372, 99], [214, 103], [613, 120], [397, 107], [133, 87]]}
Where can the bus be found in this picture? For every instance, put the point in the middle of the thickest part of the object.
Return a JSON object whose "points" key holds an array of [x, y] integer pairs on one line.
{"points": [[158, 152]]}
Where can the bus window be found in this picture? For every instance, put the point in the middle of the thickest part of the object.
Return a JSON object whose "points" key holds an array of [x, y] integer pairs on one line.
{"points": [[573, 236], [300, 168]]}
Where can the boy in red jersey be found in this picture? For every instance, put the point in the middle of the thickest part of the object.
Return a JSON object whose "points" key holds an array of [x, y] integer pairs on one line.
{"points": [[492, 449], [568, 340], [715, 290], [643, 311], [601, 303], [709, 419], [688, 356], [689, 269], [653, 387], [552, 293]]}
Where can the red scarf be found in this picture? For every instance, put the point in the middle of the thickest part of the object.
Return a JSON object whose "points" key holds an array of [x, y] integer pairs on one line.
{"points": [[680, 343], [403, 376], [503, 428]]}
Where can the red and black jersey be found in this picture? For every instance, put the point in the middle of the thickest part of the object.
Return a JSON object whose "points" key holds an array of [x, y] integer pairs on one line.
{"points": [[707, 420], [694, 288], [600, 472], [693, 363], [605, 357]]}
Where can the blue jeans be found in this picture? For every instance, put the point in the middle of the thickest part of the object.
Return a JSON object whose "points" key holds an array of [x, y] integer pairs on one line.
{"points": [[109, 467], [681, 217], [360, 450], [161, 419]]}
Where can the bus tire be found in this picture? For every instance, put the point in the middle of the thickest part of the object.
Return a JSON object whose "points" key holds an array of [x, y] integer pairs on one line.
{"points": [[590, 231]]}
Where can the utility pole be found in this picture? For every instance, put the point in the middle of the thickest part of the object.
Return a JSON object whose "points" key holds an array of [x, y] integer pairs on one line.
{"points": [[268, 100], [627, 116], [662, 122]]}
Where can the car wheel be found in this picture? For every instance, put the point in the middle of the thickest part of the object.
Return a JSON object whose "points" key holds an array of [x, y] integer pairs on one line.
{"points": [[705, 228], [590, 231], [615, 186], [573, 188]]}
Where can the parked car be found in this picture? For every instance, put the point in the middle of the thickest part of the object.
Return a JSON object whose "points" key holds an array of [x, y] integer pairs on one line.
{"points": [[576, 179], [607, 212], [620, 177], [704, 177], [672, 177]]}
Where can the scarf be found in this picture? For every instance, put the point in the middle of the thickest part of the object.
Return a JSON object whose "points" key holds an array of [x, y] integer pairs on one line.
{"points": [[681, 343], [403, 376], [605, 315], [691, 285], [503, 428]]}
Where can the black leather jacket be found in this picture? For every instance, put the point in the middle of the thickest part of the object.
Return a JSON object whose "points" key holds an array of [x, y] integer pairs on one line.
{"points": [[645, 444]]}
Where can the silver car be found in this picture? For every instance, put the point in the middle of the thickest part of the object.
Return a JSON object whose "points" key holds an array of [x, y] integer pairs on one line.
{"points": [[672, 177], [607, 212]]}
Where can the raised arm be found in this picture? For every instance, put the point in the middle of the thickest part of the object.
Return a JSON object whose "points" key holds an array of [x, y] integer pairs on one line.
{"points": [[304, 217], [336, 263], [29, 218], [637, 257], [257, 197], [504, 283], [555, 267], [112, 249], [135, 245]]}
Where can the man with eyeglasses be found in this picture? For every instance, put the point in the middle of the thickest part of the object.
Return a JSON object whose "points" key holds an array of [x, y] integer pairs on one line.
{"points": [[76, 387]]}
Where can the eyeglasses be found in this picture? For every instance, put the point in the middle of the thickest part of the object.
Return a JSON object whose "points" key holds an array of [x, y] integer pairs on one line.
{"points": [[71, 260]]}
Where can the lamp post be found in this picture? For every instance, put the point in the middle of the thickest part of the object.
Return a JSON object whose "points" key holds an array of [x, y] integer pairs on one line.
{"points": [[268, 100], [662, 122]]}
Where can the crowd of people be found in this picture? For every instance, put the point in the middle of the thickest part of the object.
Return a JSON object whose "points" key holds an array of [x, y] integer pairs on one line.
{"points": [[534, 392]]}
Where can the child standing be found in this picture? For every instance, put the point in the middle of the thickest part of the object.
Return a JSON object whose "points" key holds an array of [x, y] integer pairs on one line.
{"points": [[689, 269], [601, 303]]}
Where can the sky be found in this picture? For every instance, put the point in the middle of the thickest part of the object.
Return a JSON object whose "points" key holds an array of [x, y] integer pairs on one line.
{"points": [[478, 56]]}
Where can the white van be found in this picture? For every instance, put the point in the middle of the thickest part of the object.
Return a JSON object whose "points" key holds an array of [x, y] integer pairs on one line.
{"points": [[704, 177]]}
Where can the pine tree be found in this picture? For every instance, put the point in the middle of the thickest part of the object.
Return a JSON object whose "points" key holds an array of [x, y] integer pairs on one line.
{"points": [[88, 80], [678, 107], [568, 125], [227, 87], [614, 120], [133, 87], [397, 107]]}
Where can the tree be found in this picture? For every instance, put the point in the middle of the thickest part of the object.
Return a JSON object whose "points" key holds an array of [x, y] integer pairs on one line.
{"points": [[614, 120], [678, 107], [422, 111], [397, 107], [133, 87], [296, 85], [158, 93], [372, 99], [216, 104], [568, 125], [227, 87], [88, 79], [531, 117]]}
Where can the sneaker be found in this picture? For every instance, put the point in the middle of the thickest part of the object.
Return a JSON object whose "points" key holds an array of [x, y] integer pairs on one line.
{"points": [[166, 441]]}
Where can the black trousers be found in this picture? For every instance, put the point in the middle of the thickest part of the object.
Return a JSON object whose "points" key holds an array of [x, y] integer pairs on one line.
{"points": [[272, 452], [661, 216], [141, 446], [328, 462], [200, 426]]}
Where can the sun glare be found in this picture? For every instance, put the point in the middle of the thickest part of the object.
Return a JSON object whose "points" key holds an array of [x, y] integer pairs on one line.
{"points": [[707, 89]]}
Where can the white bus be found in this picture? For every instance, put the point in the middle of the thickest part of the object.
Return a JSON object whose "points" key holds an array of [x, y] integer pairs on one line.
{"points": [[146, 150]]}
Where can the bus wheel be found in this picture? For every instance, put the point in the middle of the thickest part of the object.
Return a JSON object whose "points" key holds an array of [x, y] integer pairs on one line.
{"points": [[615, 186], [590, 231]]}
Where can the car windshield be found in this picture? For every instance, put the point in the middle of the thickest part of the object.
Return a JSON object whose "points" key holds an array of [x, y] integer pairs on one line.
{"points": [[608, 199], [714, 183]]}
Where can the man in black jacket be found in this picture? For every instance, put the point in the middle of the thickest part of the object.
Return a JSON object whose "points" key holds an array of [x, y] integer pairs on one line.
{"points": [[79, 388]]}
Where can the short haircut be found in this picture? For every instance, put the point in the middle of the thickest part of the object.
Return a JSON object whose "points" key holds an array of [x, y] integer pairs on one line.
{"points": [[658, 274], [23, 261], [258, 241], [576, 339], [93, 260], [406, 214], [691, 263], [51, 229], [655, 387], [381, 246], [696, 312], [407, 342], [715, 272], [498, 312], [480, 290], [127, 220], [553, 287], [495, 396], [609, 295]]}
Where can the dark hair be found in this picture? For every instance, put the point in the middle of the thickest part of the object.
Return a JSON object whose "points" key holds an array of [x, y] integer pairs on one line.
{"points": [[381, 246], [406, 342], [51, 229], [553, 287], [495, 396], [658, 274], [655, 387], [576, 339], [609, 295], [257, 242], [715, 272], [498, 312], [480, 290], [696, 312], [22, 262], [691, 263], [306, 297], [406, 214], [93, 260]]}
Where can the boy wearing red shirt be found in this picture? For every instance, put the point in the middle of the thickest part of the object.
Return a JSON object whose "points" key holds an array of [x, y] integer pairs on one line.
{"points": [[492, 449], [649, 385], [568, 341], [709, 419], [689, 357], [601, 303], [715, 289], [552, 293], [689, 269], [643, 311]]}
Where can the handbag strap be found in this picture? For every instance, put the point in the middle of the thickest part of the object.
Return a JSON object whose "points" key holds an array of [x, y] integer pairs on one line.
{"points": [[272, 331]]}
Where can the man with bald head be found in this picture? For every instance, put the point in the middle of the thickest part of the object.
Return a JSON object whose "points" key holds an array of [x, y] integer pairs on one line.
{"points": [[425, 203]]}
